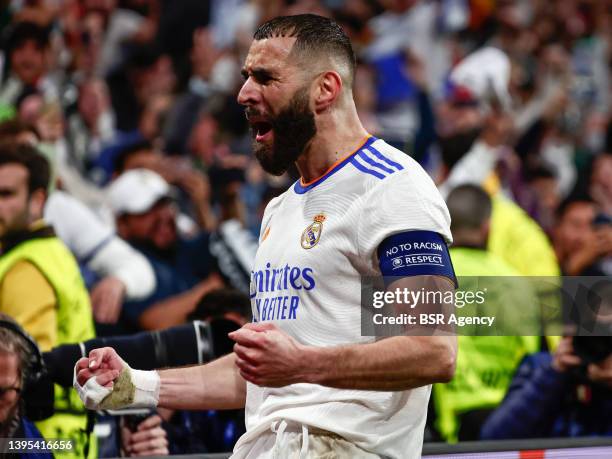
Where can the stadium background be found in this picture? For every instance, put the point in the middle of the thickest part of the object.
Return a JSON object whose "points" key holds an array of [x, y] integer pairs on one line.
{"points": [[512, 95]]}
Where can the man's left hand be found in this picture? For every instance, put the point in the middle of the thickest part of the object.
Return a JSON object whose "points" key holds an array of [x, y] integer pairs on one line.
{"points": [[267, 356]]}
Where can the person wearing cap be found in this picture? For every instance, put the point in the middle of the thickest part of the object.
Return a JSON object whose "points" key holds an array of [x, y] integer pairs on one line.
{"points": [[145, 215]]}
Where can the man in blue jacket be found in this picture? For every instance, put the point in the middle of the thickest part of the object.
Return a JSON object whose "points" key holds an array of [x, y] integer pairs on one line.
{"points": [[556, 395]]}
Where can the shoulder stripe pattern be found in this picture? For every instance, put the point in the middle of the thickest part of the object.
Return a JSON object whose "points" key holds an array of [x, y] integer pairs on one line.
{"points": [[300, 188], [362, 168], [382, 157], [371, 161], [365, 159]]}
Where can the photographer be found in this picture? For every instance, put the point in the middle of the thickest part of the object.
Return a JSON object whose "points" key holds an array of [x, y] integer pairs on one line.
{"points": [[558, 395], [15, 373]]}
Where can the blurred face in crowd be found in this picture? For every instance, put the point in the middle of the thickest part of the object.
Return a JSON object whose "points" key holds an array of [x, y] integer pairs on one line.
{"points": [[18, 208], [547, 193], [93, 101], [156, 227], [601, 182], [575, 227], [142, 159], [203, 139], [455, 119], [276, 94], [28, 62], [158, 78], [9, 381], [151, 120]]}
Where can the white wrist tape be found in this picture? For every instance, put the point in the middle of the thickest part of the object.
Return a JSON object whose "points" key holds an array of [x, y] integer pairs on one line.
{"points": [[91, 393], [132, 389], [147, 385]]}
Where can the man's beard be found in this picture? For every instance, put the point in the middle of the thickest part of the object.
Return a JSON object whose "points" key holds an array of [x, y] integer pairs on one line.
{"points": [[293, 128], [10, 425], [18, 224], [148, 247]]}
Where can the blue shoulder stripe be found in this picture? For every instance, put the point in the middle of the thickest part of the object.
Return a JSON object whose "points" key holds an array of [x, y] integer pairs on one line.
{"points": [[369, 160], [362, 168], [380, 156]]}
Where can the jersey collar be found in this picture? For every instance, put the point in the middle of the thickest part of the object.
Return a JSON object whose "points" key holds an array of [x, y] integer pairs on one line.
{"points": [[300, 187]]}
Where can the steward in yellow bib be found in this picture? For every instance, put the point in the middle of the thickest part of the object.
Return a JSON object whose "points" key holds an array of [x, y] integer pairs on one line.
{"points": [[485, 364], [40, 283]]}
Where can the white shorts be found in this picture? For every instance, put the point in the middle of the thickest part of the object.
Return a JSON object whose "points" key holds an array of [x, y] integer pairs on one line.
{"points": [[303, 442]]}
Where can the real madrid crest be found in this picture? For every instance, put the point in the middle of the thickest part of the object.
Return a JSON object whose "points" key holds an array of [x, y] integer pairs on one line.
{"points": [[312, 233]]}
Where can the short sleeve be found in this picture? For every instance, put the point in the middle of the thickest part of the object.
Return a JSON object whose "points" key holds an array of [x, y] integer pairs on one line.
{"points": [[404, 202]]}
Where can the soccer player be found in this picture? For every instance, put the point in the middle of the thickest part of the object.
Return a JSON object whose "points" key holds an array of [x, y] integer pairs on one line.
{"points": [[312, 385]]}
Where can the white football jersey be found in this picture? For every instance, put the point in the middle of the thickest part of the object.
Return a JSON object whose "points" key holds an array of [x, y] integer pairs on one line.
{"points": [[317, 240]]}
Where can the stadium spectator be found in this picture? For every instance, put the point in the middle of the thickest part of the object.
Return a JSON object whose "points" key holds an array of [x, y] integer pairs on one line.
{"points": [[40, 284], [513, 96], [146, 217], [601, 182], [583, 245], [15, 373], [116, 270], [26, 52], [485, 364], [92, 126], [176, 171], [558, 395]]}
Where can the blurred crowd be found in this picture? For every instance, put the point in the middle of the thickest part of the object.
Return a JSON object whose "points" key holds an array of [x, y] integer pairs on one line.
{"points": [[153, 188]]}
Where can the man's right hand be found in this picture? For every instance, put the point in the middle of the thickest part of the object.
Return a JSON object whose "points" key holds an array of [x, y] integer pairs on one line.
{"points": [[104, 381], [94, 376], [104, 363]]}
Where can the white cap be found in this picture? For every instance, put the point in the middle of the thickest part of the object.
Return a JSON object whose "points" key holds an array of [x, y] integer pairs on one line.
{"points": [[136, 191], [486, 73]]}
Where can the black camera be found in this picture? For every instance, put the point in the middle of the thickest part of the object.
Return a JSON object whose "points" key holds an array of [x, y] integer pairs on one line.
{"points": [[190, 344]]}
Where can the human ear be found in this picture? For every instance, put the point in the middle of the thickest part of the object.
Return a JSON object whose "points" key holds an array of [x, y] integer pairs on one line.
{"points": [[37, 203], [329, 87]]}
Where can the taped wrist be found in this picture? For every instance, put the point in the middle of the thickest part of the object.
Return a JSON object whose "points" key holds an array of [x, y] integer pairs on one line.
{"points": [[91, 393], [133, 389]]}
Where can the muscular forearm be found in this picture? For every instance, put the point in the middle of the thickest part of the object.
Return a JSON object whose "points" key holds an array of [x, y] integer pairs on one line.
{"points": [[173, 311], [384, 365], [217, 385]]}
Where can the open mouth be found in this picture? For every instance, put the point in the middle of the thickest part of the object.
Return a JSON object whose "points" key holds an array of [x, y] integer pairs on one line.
{"points": [[262, 130]]}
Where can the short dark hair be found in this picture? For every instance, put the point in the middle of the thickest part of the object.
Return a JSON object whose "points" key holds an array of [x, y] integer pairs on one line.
{"points": [[469, 207], [313, 34], [130, 149], [576, 197], [26, 31], [29, 157]]}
